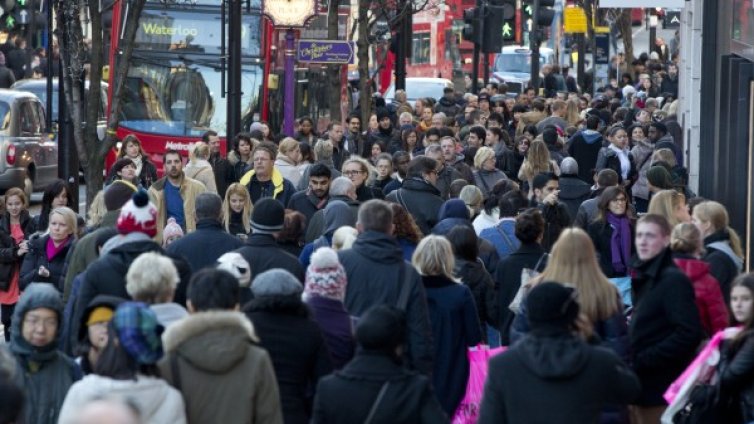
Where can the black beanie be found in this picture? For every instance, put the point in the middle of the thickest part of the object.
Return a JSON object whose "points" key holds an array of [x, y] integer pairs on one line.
{"points": [[117, 194], [382, 113], [268, 216], [382, 328], [551, 304]]}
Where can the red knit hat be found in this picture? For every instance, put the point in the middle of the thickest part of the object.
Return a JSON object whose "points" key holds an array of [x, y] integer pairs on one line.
{"points": [[138, 215]]}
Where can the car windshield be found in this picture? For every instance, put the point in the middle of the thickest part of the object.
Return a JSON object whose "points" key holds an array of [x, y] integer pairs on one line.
{"points": [[516, 62]]}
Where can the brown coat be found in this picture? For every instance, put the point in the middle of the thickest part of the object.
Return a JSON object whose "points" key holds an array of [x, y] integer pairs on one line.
{"points": [[190, 188], [223, 375]]}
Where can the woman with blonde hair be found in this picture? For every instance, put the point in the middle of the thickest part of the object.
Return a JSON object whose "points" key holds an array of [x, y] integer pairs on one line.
{"points": [[361, 173], [573, 261], [686, 245], [453, 316], [672, 205], [47, 257], [573, 115], [723, 246], [288, 158], [237, 210], [486, 174], [199, 167], [537, 161]]}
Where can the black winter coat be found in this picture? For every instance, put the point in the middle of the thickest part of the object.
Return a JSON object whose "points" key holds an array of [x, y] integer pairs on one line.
{"points": [[6, 77], [202, 247], [365, 193], [556, 220], [476, 277], [148, 173], [665, 328], [297, 349], [408, 400], [421, 199], [724, 265], [508, 280], [554, 378], [37, 257], [307, 203], [262, 253], [372, 266], [737, 376], [224, 173], [9, 258]]}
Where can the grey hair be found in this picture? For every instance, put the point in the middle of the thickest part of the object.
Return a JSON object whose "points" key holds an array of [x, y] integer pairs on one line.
{"points": [[341, 186], [569, 166], [323, 150]]}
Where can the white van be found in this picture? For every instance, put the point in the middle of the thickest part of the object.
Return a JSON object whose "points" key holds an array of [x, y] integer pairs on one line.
{"points": [[513, 66]]}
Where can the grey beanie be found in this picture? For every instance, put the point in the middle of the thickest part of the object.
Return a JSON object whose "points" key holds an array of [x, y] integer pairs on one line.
{"points": [[276, 282], [569, 166]]}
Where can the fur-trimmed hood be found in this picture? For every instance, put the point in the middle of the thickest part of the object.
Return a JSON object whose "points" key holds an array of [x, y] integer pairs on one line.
{"points": [[214, 341]]}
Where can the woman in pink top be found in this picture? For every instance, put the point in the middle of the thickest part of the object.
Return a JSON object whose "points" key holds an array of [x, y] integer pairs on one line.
{"points": [[13, 248]]}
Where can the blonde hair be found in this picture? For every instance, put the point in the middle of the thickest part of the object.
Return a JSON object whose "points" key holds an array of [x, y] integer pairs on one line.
{"points": [[434, 256], [573, 117], [716, 214], [537, 160], [71, 220], [573, 261], [664, 203], [344, 237], [323, 149], [365, 166], [664, 155], [200, 151], [686, 238], [97, 209], [287, 145], [240, 190], [472, 197], [482, 155], [151, 278]]}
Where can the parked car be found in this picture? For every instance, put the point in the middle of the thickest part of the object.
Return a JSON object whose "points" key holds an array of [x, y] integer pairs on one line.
{"points": [[513, 66], [419, 88], [39, 88], [28, 156]]}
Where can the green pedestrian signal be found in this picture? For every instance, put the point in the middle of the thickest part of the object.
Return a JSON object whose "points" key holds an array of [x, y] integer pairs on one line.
{"points": [[507, 31], [10, 22], [21, 3], [529, 11]]}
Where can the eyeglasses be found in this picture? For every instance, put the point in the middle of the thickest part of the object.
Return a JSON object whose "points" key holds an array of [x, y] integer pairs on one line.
{"points": [[620, 200], [351, 173]]}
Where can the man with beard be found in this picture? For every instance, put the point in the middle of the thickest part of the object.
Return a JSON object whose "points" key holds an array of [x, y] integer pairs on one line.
{"points": [[315, 197], [222, 169]]}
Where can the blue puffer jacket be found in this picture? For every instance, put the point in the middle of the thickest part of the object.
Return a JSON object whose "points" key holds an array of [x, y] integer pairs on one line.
{"points": [[503, 237]]}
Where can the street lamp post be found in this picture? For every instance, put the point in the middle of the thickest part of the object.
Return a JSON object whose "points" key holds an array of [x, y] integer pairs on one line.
{"points": [[290, 82]]}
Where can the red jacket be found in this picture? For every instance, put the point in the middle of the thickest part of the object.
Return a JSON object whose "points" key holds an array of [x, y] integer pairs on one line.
{"points": [[709, 299]]}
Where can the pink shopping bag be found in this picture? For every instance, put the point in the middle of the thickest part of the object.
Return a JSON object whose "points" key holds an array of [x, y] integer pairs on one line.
{"points": [[468, 410]]}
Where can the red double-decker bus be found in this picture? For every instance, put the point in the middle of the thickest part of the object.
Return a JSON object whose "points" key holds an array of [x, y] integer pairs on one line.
{"points": [[174, 88]]}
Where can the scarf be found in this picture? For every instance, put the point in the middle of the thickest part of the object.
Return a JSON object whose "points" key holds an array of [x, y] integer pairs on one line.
{"points": [[51, 250], [620, 242], [138, 162]]}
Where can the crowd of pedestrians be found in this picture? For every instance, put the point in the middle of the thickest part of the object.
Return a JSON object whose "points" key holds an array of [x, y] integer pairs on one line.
{"points": [[342, 277]]}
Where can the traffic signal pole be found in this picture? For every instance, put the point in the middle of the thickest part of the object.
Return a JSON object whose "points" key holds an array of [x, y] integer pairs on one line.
{"points": [[534, 46]]}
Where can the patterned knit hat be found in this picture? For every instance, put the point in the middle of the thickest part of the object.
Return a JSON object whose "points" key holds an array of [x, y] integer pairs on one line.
{"points": [[172, 231], [138, 215], [139, 332], [325, 276], [234, 263]]}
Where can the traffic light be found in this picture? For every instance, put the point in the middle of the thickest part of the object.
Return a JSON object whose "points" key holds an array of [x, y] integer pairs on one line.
{"points": [[471, 25], [543, 14]]}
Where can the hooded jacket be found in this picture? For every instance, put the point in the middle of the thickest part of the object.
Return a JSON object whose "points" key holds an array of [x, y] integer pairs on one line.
{"points": [[337, 214], [201, 171], [420, 199], [81, 338], [263, 253], [282, 190], [44, 373], [554, 377], [573, 192], [372, 267], [219, 350], [584, 146], [315, 227], [156, 400], [447, 106], [709, 299]]}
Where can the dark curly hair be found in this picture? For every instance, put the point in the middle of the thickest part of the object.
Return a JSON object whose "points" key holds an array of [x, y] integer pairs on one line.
{"points": [[405, 226], [530, 225]]}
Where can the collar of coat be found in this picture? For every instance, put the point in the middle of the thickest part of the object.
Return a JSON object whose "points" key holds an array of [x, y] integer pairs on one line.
{"points": [[277, 180], [202, 322], [159, 185]]}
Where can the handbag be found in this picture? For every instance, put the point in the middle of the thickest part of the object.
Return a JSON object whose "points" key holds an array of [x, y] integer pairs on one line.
{"points": [[527, 275], [702, 407], [468, 410]]}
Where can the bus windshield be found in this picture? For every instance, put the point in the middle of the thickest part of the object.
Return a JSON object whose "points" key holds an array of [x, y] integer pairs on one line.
{"points": [[183, 97]]}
